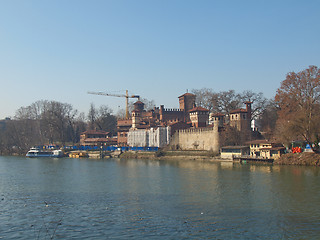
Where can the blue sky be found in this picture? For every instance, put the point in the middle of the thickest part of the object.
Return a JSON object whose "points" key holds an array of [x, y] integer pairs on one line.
{"points": [[59, 50]]}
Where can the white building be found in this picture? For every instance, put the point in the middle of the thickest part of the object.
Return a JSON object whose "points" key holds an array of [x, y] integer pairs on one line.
{"points": [[153, 137], [138, 138]]}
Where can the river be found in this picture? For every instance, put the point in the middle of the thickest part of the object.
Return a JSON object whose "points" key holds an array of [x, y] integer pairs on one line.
{"points": [[147, 199]]}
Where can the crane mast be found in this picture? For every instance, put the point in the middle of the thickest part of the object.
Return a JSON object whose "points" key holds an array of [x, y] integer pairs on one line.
{"points": [[127, 96]]}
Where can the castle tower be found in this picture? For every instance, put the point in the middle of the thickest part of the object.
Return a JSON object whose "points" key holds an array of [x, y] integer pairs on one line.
{"points": [[199, 117], [136, 114], [241, 118], [218, 119], [249, 110], [187, 102], [216, 137], [138, 106]]}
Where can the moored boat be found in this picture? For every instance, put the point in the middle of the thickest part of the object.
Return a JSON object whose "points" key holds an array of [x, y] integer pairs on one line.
{"points": [[37, 152]]}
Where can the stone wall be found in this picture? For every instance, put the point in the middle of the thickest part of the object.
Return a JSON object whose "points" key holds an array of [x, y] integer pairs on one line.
{"points": [[197, 139]]}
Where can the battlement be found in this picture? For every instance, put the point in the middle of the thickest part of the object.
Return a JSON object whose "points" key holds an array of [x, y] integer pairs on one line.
{"points": [[196, 130], [173, 110]]}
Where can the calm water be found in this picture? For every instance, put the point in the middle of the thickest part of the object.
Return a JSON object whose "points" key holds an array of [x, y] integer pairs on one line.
{"points": [[135, 199]]}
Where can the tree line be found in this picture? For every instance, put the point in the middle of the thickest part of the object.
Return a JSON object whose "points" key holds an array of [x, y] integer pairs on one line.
{"points": [[52, 122]]}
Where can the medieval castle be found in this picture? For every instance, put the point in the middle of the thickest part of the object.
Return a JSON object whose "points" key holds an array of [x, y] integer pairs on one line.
{"points": [[186, 128]]}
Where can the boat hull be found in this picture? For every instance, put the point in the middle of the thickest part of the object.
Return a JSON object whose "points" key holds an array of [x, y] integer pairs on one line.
{"points": [[39, 153]]}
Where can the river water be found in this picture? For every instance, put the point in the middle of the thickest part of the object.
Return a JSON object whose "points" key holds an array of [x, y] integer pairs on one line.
{"points": [[141, 199]]}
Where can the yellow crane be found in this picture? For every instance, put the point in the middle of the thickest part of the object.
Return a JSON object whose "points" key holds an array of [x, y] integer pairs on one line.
{"points": [[127, 96]]}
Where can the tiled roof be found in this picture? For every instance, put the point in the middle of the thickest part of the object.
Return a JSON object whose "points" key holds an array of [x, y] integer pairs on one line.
{"points": [[138, 102], [96, 140], [199, 109], [95, 132], [260, 141], [218, 115], [234, 147], [273, 148], [240, 110], [186, 94]]}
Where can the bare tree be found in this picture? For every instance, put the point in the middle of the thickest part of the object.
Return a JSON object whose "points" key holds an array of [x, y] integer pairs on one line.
{"points": [[298, 99], [55, 121], [259, 102], [268, 118], [102, 119], [206, 98], [92, 115], [148, 104]]}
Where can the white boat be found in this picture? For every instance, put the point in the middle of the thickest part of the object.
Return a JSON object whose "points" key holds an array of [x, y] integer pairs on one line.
{"points": [[37, 152]]}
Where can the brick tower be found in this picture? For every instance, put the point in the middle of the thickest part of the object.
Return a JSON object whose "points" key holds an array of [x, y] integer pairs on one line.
{"points": [[187, 102]]}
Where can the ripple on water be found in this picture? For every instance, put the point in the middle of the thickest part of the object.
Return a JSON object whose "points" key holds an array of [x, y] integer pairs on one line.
{"points": [[83, 199]]}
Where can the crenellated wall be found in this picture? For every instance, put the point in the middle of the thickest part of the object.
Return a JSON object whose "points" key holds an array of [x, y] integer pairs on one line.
{"points": [[169, 114]]}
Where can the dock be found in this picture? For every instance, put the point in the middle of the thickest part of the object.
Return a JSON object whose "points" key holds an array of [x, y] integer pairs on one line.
{"points": [[252, 159]]}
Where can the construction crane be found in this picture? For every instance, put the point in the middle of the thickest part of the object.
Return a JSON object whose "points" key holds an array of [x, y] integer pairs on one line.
{"points": [[119, 95]]}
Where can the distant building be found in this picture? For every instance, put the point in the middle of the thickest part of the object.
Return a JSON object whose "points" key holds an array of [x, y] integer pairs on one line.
{"points": [[123, 126], [228, 152], [156, 118], [187, 102], [199, 117], [241, 118], [266, 149], [190, 127], [96, 138], [217, 118], [153, 137]]}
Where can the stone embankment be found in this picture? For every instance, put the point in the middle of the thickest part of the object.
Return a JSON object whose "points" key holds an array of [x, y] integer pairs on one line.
{"points": [[298, 159], [172, 155], [302, 159]]}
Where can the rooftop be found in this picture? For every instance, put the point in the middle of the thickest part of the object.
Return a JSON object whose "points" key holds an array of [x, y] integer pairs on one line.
{"points": [[186, 94], [95, 132], [199, 109], [240, 110]]}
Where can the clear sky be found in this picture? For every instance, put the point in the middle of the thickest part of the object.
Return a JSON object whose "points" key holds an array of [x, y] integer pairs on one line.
{"points": [[59, 50]]}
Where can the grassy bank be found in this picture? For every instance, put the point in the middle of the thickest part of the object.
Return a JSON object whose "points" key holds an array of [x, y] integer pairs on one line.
{"points": [[302, 159]]}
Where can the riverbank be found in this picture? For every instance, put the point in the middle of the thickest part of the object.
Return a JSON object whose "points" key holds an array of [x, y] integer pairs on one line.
{"points": [[301, 159], [298, 159], [172, 155]]}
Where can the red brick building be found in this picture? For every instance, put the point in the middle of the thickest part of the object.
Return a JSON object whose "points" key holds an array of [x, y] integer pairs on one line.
{"points": [[123, 126], [241, 118], [199, 117], [96, 138]]}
